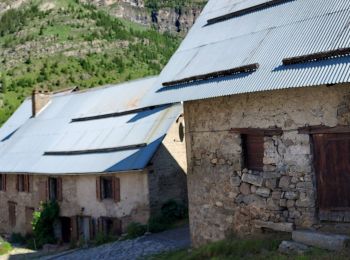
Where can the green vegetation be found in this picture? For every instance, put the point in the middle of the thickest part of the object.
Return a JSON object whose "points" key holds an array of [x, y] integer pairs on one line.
{"points": [[135, 230], [171, 214], [102, 238], [43, 224], [5, 247], [253, 248], [73, 45]]}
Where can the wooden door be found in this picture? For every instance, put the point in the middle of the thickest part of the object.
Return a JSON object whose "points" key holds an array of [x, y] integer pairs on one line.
{"points": [[332, 165]]}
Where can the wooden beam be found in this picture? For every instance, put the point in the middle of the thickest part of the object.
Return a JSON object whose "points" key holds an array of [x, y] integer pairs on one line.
{"points": [[246, 11], [258, 131], [116, 114], [216, 74], [316, 56], [321, 129], [92, 151]]}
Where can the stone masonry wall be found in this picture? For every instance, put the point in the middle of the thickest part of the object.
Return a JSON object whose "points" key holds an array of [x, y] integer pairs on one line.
{"points": [[79, 198], [224, 198], [167, 178]]}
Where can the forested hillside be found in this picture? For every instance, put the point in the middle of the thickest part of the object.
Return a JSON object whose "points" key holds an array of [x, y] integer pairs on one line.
{"points": [[64, 43]]}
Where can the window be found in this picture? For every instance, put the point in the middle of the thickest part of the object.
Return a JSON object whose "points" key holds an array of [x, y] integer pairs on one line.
{"points": [[108, 187], [12, 213], [23, 183], [55, 189], [2, 182], [253, 151]]}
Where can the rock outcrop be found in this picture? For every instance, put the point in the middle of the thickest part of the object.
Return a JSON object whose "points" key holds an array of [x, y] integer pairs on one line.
{"points": [[165, 19]]}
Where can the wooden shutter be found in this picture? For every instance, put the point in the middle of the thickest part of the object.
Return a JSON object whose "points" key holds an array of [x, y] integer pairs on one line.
{"points": [[253, 151], [117, 227], [26, 183], [17, 182], [43, 190], [74, 228], [98, 188], [29, 218], [59, 189], [116, 189], [3, 187]]}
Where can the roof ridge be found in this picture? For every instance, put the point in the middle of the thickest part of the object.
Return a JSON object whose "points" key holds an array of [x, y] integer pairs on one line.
{"points": [[60, 94]]}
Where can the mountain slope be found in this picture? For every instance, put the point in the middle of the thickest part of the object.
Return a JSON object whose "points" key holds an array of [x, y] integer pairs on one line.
{"points": [[63, 43]]}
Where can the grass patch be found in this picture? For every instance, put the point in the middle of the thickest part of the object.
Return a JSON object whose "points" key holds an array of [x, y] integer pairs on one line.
{"points": [[265, 247], [5, 247]]}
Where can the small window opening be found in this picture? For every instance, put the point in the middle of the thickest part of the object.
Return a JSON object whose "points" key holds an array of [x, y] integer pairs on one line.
{"points": [[53, 189], [107, 187], [2, 182], [181, 132], [21, 183]]}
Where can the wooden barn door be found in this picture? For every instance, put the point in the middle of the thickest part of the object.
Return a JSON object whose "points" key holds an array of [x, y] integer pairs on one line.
{"points": [[332, 165]]}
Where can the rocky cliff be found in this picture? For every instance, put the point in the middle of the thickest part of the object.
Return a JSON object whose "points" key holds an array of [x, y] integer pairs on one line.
{"points": [[165, 19]]}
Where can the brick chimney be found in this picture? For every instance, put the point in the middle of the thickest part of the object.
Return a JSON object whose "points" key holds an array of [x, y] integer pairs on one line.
{"points": [[40, 98]]}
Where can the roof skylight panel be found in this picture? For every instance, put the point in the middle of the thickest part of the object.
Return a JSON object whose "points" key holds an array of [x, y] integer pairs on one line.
{"points": [[116, 114], [317, 56], [213, 75], [246, 10], [95, 151]]}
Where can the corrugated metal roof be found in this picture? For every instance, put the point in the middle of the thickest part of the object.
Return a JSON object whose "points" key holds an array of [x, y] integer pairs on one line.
{"points": [[26, 139], [267, 36]]}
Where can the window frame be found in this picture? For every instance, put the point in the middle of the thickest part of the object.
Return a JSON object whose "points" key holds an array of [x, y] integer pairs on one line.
{"points": [[55, 194], [115, 188], [23, 183]]}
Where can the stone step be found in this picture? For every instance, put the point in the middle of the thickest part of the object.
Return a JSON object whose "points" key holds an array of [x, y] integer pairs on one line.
{"points": [[327, 241]]}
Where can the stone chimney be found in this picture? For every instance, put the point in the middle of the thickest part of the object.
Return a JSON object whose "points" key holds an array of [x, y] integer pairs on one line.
{"points": [[40, 98]]}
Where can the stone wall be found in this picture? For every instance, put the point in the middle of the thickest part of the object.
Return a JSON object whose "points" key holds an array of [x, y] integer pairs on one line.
{"points": [[224, 198], [79, 198], [167, 179]]}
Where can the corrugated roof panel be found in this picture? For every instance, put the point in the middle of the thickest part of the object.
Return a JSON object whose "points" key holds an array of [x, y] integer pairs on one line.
{"points": [[53, 131], [22, 114], [295, 28]]}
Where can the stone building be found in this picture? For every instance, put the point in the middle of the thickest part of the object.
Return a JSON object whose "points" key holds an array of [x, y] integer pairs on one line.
{"points": [[265, 86], [107, 161]]}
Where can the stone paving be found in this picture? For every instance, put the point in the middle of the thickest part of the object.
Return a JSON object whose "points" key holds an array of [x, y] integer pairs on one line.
{"points": [[138, 248]]}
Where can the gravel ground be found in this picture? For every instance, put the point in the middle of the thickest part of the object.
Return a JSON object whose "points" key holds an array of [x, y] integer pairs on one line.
{"points": [[137, 248]]}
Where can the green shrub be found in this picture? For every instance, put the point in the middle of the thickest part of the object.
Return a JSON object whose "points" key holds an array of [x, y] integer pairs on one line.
{"points": [[158, 224], [5, 247], [101, 238], [136, 230], [173, 210], [43, 223]]}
